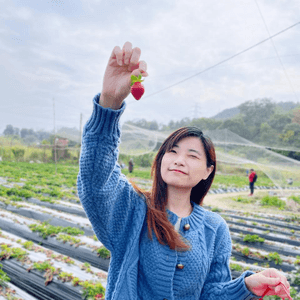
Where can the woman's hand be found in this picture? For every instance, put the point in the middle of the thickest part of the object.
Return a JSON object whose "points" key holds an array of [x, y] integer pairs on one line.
{"points": [[270, 278], [117, 78]]}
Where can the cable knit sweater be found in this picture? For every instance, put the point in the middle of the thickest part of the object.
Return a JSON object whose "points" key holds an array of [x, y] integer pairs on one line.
{"points": [[141, 269]]}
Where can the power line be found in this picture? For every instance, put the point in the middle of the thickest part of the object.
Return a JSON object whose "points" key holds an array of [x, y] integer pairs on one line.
{"points": [[221, 62], [232, 64], [276, 51]]}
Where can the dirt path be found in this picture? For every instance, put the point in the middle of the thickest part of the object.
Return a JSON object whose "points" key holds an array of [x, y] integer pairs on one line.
{"points": [[225, 201]]}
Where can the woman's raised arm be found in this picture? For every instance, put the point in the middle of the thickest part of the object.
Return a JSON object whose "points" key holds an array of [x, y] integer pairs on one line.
{"points": [[105, 193]]}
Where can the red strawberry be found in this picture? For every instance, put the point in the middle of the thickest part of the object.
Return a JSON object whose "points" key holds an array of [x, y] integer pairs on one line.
{"points": [[137, 89]]}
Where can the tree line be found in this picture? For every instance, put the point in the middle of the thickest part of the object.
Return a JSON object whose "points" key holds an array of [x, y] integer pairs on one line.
{"points": [[32, 137], [261, 121]]}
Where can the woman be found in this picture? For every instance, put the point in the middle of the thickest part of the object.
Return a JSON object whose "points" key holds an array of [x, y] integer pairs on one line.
{"points": [[187, 257]]}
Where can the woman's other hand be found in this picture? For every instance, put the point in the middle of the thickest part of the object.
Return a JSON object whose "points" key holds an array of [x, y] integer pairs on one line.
{"points": [[270, 278]]}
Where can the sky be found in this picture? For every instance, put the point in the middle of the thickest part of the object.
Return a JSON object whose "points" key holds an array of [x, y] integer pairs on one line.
{"points": [[54, 53]]}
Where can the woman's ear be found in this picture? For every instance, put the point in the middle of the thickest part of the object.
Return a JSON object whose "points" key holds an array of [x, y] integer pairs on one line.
{"points": [[208, 171]]}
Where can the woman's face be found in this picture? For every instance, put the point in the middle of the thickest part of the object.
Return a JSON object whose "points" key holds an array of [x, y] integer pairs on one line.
{"points": [[185, 165]]}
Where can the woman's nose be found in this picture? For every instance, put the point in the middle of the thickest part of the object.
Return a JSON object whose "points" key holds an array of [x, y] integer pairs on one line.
{"points": [[179, 160]]}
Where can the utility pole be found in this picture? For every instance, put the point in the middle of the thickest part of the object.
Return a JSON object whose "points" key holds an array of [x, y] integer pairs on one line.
{"points": [[54, 137], [197, 110], [80, 128]]}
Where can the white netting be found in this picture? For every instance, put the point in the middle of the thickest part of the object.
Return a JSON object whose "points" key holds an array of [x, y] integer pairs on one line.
{"points": [[230, 149]]}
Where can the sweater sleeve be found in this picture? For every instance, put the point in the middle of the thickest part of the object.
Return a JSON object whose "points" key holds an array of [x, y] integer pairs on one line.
{"points": [[105, 193], [219, 284]]}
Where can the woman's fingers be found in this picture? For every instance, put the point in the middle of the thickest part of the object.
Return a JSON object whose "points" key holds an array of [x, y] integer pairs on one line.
{"points": [[117, 54], [135, 57], [143, 68], [127, 52], [130, 57]]}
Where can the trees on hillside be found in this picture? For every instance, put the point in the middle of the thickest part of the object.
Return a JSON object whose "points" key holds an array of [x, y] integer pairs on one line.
{"points": [[258, 111]]}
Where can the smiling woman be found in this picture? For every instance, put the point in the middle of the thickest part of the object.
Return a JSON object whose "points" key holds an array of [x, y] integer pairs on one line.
{"points": [[186, 150], [187, 258]]}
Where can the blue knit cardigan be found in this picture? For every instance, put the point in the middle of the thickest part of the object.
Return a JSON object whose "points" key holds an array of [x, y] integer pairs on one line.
{"points": [[140, 268]]}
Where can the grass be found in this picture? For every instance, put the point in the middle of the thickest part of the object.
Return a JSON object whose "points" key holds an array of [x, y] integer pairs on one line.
{"points": [[295, 198], [272, 201], [243, 199]]}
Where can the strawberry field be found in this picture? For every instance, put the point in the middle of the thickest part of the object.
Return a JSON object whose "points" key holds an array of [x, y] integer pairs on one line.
{"points": [[49, 251]]}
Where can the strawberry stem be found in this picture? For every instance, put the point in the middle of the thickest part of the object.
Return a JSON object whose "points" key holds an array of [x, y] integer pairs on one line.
{"points": [[135, 79]]}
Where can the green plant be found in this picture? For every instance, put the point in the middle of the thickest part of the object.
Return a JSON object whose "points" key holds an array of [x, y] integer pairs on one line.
{"points": [[297, 261], [28, 245], [246, 251], [68, 260], [92, 290], [275, 257], [253, 238], [241, 221], [242, 199], [8, 252], [3, 277], [18, 153], [66, 238], [295, 198], [49, 230], [273, 201], [215, 209], [76, 281], [65, 277], [47, 267], [103, 252], [236, 267], [15, 198]]}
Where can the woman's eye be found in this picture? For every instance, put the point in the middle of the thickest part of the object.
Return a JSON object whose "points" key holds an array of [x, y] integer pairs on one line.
{"points": [[193, 156], [173, 151]]}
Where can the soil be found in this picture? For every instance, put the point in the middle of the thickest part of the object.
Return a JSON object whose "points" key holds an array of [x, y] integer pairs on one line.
{"points": [[225, 201]]}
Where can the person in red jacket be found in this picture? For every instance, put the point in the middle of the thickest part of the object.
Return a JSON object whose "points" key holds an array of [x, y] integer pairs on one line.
{"points": [[252, 179]]}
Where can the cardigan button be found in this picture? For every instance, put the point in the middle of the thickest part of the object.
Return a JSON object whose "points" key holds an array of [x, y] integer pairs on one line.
{"points": [[186, 226], [180, 266]]}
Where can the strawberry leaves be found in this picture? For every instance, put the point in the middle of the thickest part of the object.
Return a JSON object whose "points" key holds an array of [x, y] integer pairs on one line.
{"points": [[135, 79]]}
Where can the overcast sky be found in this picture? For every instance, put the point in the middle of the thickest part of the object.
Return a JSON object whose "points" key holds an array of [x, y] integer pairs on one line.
{"points": [[58, 49]]}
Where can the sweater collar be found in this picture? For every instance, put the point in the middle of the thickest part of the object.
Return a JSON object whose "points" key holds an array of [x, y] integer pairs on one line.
{"points": [[193, 219]]}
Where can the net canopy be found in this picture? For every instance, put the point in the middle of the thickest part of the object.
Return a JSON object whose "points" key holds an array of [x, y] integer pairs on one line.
{"points": [[230, 149]]}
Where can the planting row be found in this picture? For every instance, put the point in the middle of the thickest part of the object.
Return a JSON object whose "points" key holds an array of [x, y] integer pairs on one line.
{"points": [[69, 241], [29, 265], [56, 242]]}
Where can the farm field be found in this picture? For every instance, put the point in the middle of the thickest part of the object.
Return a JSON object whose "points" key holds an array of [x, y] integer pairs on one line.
{"points": [[49, 251]]}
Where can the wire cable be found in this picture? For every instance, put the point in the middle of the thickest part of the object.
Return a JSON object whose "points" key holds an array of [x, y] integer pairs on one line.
{"points": [[221, 62], [277, 52]]}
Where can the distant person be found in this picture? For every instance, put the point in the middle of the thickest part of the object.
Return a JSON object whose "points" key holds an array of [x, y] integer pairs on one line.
{"points": [[130, 165], [290, 181], [247, 172], [164, 244], [252, 180]]}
